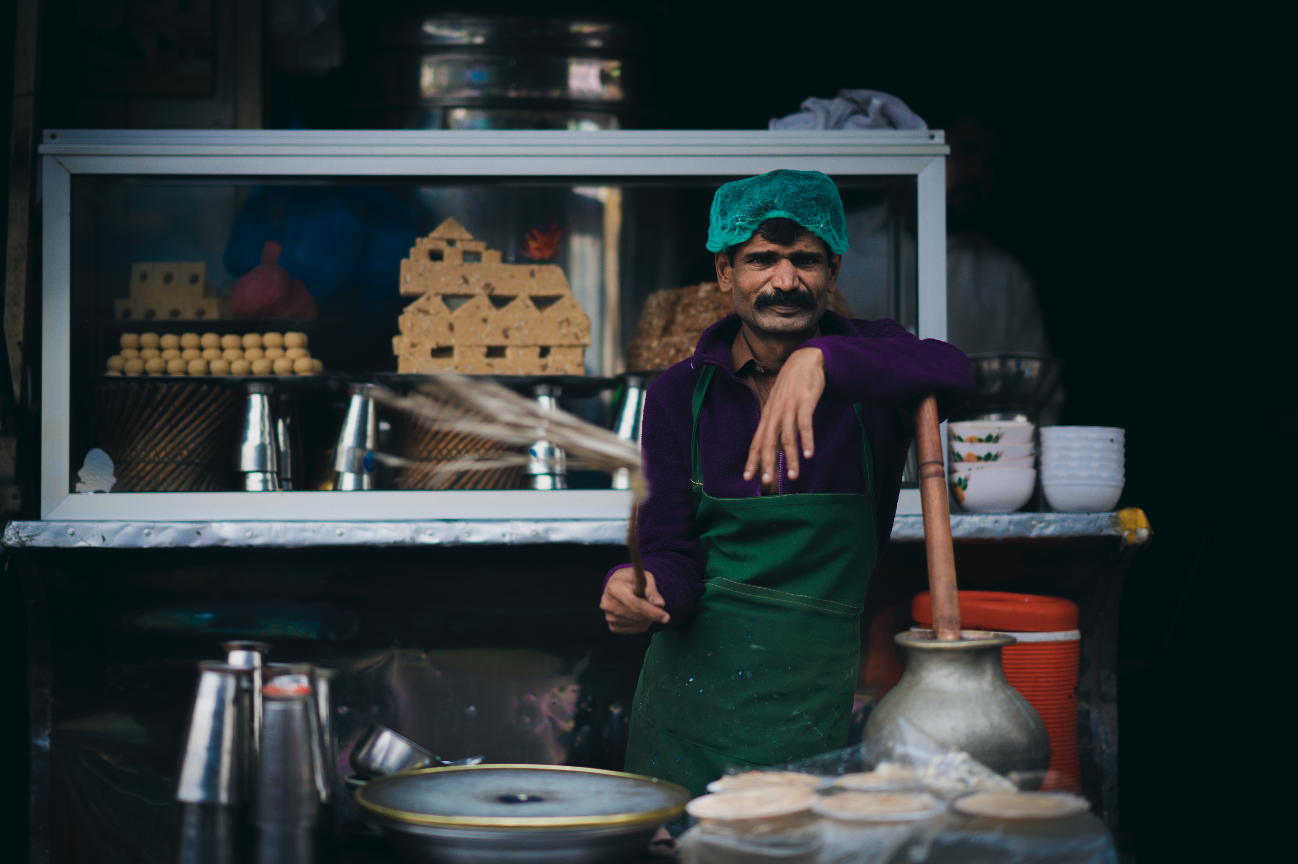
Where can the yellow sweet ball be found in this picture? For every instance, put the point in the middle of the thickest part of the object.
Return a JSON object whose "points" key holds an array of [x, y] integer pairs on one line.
{"points": [[296, 353], [149, 353], [171, 354], [116, 363], [295, 340], [240, 367], [304, 366], [155, 366], [191, 354], [219, 367], [283, 366], [177, 366], [149, 340], [209, 340], [168, 340], [272, 340], [113, 373], [262, 367], [130, 340], [317, 366], [210, 354], [190, 340], [252, 340], [253, 354], [231, 340], [273, 353], [131, 353], [232, 354], [198, 367], [133, 366]]}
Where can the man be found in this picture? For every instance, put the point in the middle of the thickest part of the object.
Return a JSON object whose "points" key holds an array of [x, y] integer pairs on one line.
{"points": [[774, 459]]}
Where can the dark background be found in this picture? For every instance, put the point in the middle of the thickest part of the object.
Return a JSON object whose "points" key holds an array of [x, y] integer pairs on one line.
{"points": [[1143, 183]]}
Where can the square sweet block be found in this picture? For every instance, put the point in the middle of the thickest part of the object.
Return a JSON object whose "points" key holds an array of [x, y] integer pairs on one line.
{"points": [[478, 316]]}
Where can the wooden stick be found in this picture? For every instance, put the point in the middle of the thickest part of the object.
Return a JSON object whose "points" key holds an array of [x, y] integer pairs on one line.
{"points": [[633, 546], [937, 523]]}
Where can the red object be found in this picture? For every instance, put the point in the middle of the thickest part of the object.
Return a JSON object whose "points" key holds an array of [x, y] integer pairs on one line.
{"points": [[541, 245], [267, 291], [1042, 665]]}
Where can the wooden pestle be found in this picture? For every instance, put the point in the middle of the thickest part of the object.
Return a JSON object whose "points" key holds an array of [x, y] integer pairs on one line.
{"points": [[937, 522], [633, 546]]}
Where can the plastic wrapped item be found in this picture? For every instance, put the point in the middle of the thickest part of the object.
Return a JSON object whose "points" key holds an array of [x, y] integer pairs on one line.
{"points": [[869, 827], [268, 291], [763, 824]]}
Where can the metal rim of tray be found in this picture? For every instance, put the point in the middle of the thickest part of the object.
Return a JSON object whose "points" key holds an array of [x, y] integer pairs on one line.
{"points": [[405, 817]]}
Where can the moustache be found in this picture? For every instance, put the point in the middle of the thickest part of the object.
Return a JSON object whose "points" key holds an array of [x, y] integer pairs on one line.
{"points": [[801, 298]]}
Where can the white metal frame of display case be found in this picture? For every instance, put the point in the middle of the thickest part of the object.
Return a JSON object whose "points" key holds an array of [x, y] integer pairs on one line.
{"points": [[586, 155]]}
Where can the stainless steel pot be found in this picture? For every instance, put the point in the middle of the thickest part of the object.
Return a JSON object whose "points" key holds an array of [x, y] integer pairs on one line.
{"points": [[380, 752], [519, 813]]}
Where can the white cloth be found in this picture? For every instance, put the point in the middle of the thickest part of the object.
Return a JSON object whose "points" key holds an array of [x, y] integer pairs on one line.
{"points": [[852, 109]]}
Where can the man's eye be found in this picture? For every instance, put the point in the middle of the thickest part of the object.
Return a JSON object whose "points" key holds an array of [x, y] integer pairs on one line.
{"points": [[805, 262]]}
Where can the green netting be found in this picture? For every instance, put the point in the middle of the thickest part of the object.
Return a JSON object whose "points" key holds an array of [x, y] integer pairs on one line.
{"points": [[807, 197]]}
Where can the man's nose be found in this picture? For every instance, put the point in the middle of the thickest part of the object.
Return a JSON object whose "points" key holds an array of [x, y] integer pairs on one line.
{"points": [[785, 276]]}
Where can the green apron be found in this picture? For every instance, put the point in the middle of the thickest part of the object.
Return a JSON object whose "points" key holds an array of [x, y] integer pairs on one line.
{"points": [[765, 670]]}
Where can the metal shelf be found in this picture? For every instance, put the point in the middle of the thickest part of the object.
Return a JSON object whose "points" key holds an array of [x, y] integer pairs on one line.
{"points": [[478, 532]]}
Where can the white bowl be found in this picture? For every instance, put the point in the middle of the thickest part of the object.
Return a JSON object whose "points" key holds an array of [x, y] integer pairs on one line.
{"points": [[1088, 476], [1082, 433], [1075, 497], [961, 467], [990, 432], [1080, 451], [990, 452], [1002, 491]]}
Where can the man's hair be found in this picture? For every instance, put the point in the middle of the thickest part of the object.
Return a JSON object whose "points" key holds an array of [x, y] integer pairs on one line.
{"points": [[778, 230]]}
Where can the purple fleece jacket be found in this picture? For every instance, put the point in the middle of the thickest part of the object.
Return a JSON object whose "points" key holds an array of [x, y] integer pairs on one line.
{"points": [[876, 363]]}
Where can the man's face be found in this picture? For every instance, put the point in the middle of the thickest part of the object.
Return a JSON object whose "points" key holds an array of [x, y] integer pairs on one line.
{"points": [[780, 289]]}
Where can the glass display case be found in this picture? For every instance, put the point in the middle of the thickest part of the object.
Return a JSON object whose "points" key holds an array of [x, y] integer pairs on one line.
{"points": [[325, 248]]}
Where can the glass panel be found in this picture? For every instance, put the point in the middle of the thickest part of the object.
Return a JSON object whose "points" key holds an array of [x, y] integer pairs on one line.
{"points": [[164, 255]]}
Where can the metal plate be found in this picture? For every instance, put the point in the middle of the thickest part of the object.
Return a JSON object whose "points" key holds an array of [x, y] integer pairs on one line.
{"points": [[522, 796]]}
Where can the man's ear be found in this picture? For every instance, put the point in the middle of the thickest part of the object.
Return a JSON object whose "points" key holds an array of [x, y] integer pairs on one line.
{"points": [[835, 262], [725, 273]]}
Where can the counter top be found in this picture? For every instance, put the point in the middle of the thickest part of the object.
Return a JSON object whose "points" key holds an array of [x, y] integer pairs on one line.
{"points": [[484, 532]]}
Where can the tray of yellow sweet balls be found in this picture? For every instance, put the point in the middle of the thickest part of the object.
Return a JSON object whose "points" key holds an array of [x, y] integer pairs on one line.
{"points": [[213, 354]]}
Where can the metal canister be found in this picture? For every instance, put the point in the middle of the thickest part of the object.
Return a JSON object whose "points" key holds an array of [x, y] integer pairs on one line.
{"points": [[630, 413], [354, 456], [546, 464], [445, 71], [251, 656], [256, 457], [212, 783], [288, 801]]}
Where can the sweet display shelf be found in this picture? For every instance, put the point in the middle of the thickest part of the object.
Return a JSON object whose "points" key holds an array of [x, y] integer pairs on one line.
{"points": [[480, 532]]}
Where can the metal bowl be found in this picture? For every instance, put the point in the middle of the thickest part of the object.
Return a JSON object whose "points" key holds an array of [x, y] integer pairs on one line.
{"points": [[381, 751], [1010, 381], [519, 813]]}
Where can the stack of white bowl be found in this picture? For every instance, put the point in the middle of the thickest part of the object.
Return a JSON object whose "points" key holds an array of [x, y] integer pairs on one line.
{"points": [[1082, 467], [992, 466]]}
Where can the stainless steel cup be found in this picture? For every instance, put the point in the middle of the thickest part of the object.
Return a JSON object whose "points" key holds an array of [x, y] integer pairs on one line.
{"points": [[256, 458], [243, 654], [546, 464], [288, 802], [287, 446], [630, 413], [354, 455], [214, 744]]}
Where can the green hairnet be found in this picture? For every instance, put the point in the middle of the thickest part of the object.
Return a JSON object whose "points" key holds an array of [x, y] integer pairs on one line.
{"points": [[807, 197]]}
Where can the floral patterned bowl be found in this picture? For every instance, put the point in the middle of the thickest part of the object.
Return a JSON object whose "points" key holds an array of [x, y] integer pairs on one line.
{"points": [[988, 452], [1002, 491], [990, 432]]}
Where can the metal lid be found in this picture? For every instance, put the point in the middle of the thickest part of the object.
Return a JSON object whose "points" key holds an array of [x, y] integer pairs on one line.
{"points": [[521, 796]]}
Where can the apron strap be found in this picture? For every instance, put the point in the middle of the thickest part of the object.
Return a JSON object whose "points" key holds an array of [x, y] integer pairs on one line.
{"points": [[700, 396]]}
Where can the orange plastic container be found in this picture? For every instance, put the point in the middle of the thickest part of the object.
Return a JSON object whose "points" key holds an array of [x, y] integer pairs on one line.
{"points": [[1042, 665]]}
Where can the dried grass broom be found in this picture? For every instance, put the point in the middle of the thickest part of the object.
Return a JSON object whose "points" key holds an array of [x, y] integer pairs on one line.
{"points": [[485, 410]]}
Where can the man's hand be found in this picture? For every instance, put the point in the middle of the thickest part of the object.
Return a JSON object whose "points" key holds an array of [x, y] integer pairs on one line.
{"points": [[627, 613], [786, 415]]}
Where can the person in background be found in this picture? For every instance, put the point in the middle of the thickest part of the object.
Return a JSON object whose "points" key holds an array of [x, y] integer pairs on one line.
{"points": [[992, 305]]}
